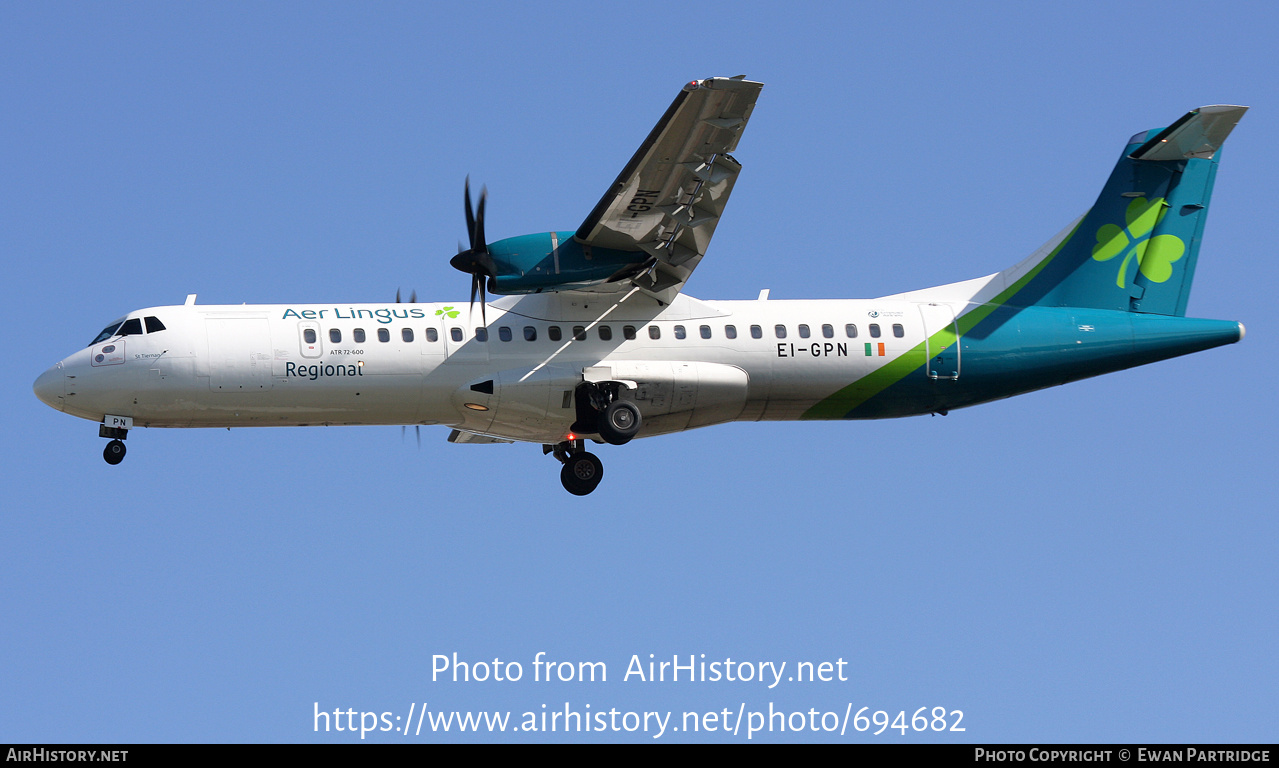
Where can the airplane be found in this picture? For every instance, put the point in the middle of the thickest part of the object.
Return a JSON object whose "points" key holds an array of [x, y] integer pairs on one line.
{"points": [[590, 336]]}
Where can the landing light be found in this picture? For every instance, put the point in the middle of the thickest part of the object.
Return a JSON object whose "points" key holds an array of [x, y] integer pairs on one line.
{"points": [[476, 406]]}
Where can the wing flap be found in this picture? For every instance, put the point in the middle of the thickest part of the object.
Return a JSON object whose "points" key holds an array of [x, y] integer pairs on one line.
{"points": [[669, 198]]}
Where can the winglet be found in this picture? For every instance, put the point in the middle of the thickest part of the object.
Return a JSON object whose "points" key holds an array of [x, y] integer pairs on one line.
{"points": [[1200, 133]]}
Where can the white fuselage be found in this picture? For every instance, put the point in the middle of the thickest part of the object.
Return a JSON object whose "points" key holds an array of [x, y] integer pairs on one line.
{"points": [[687, 364]]}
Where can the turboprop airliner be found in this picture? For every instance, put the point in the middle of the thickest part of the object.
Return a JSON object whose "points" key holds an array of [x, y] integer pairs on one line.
{"points": [[591, 339]]}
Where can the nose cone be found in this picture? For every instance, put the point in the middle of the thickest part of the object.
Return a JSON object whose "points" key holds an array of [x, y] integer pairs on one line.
{"points": [[51, 387]]}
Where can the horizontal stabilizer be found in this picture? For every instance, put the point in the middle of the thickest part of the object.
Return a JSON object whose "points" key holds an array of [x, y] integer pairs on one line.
{"points": [[1200, 133], [1136, 249]]}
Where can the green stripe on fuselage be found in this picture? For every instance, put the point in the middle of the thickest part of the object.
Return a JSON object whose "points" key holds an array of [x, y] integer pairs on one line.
{"points": [[841, 404]]}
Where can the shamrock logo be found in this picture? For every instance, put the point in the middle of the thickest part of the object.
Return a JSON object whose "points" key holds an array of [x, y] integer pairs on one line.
{"points": [[447, 312], [1154, 255]]}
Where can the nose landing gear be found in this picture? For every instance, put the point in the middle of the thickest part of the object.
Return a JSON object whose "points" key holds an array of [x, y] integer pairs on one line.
{"points": [[114, 452]]}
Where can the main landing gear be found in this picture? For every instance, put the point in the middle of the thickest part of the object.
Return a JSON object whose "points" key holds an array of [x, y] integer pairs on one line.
{"points": [[114, 452], [600, 411], [582, 471]]}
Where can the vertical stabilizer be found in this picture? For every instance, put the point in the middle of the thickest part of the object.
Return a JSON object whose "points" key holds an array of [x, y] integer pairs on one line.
{"points": [[1136, 249]]}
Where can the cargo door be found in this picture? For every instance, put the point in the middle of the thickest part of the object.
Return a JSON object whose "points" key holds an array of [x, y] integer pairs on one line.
{"points": [[239, 354]]}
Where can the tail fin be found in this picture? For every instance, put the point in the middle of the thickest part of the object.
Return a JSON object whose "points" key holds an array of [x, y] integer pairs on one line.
{"points": [[1136, 249]]}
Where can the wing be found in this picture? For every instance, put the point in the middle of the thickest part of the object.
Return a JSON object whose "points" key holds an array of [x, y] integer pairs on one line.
{"points": [[669, 197]]}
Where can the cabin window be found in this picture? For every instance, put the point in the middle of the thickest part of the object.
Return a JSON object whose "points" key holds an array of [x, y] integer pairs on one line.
{"points": [[432, 335], [730, 331], [654, 332], [874, 330], [335, 336], [628, 332], [553, 333], [406, 334], [757, 332], [455, 334], [828, 331], [358, 335], [680, 332], [780, 330], [154, 325], [898, 330], [504, 333], [530, 333], [804, 333], [308, 335], [481, 334], [133, 327], [579, 333], [383, 335], [606, 333], [850, 330], [705, 330]]}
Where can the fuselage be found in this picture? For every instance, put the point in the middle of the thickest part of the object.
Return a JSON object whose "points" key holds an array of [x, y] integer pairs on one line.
{"points": [[687, 364]]}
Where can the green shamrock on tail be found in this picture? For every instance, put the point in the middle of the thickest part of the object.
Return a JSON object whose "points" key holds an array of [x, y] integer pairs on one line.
{"points": [[1155, 255], [450, 312]]}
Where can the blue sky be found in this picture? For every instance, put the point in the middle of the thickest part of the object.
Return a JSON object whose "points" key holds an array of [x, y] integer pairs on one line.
{"points": [[1089, 563]]}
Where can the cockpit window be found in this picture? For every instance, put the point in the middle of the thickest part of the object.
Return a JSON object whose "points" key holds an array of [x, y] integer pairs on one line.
{"points": [[107, 332], [131, 327], [154, 325]]}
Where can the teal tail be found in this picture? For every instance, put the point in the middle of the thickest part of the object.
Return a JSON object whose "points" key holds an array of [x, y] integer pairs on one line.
{"points": [[1136, 248]]}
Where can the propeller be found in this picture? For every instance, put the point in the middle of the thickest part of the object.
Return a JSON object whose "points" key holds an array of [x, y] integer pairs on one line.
{"points": [[417, 430], [475, 260]]}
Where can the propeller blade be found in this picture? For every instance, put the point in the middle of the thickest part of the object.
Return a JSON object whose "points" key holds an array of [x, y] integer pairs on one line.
{"points": [[475, 260], [470, 217], [397, 295], [478, 243], [417, 432], [413, 297], [477, 286]]}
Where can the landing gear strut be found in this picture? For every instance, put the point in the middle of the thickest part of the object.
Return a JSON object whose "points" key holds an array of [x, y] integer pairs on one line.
{"points": [[582, 471], [602, 411], [114, 452]]}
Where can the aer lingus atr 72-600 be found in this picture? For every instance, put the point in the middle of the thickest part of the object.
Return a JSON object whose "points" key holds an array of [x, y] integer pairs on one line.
{"points": [[591, 338]]}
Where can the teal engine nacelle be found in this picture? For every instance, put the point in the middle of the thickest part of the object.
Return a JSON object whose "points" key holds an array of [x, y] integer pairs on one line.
{"points": [[534, 263]]}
